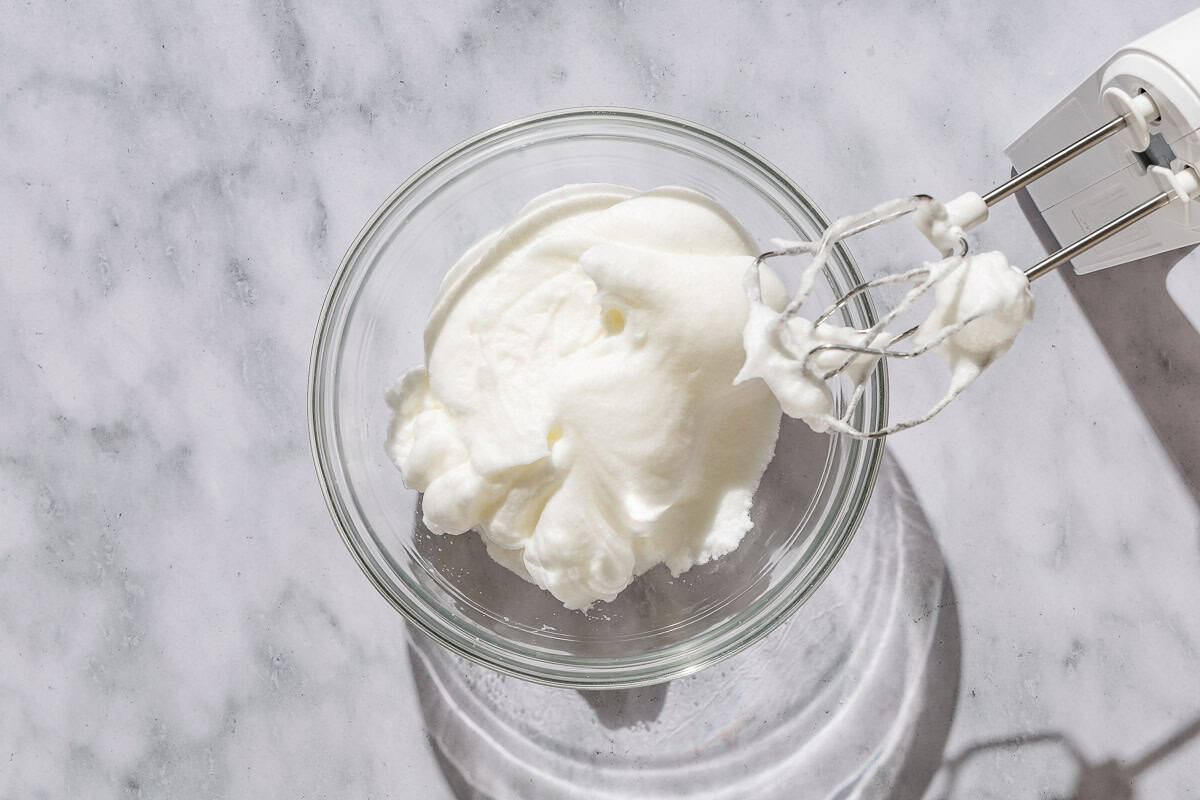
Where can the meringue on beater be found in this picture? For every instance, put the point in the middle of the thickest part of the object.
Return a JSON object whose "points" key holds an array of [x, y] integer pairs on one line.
{"points": [[981, 302]]}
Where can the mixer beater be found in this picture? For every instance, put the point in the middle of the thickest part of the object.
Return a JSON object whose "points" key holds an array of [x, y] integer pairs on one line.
{"points": [[1150, 89]]}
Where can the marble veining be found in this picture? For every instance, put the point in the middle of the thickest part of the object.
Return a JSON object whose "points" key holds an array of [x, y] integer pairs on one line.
{"points": [[178, 617]]}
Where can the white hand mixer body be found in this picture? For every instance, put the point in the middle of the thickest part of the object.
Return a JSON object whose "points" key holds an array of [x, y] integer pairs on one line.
{"points": [[1149, 92]]}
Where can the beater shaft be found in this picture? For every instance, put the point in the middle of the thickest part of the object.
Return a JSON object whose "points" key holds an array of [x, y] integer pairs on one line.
{"points": [[1099, 235], [1053, 162], [1023, 179]]}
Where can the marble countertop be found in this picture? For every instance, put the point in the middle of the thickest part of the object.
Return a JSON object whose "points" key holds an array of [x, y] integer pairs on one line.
{"points": [[178, 617]]}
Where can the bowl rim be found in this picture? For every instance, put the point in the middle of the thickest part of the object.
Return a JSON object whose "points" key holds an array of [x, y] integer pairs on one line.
{"points": [[589, 673]]}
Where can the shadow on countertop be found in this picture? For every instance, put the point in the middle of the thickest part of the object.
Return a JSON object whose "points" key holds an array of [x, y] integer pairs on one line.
{"points": [[1112, 779], [939, 696], [1149, 339], [912, 756]]}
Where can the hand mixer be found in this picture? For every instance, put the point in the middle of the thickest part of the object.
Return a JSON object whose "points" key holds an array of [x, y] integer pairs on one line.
{"points": [[1103, 192]]}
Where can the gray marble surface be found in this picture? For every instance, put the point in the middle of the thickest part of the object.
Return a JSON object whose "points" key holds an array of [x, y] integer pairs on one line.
{"points": [[178, 617]]}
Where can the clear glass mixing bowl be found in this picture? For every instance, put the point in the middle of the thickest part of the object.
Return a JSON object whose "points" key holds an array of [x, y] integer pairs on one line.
{"points": [[805, 512]]}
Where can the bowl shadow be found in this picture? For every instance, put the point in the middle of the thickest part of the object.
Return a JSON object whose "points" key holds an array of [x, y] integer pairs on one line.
{"points": [[461, 702]]}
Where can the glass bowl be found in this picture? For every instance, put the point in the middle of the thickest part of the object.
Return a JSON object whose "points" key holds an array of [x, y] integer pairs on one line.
{"points": [[805, 512]]}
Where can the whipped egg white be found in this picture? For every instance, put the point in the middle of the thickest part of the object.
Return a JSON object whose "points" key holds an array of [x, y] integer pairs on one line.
{"points": [[577, 403]]}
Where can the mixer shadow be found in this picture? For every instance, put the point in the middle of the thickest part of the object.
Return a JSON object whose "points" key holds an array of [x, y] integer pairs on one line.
{"points": [[1150, 340], [858, 689], [1109, 779]]}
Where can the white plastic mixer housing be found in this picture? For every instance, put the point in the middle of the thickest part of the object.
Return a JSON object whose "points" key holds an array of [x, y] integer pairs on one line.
{"points": [[1125, 170]]}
